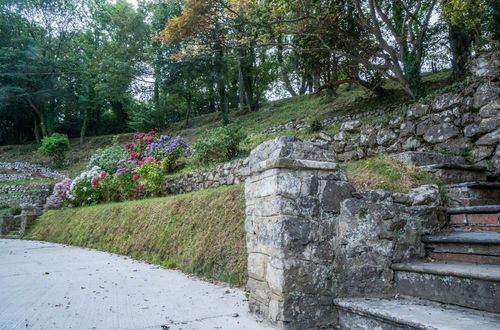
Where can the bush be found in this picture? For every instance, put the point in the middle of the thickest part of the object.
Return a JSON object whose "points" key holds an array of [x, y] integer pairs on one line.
{"points": [[315, 126], [220, 145], [107, 159], [55, 146]]}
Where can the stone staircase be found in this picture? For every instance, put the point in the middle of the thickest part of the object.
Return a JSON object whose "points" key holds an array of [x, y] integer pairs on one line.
{"points": [[457, 286]]}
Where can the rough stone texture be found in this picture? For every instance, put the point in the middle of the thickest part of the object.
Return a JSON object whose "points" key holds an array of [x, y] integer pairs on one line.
{"points": [[223, 175], [377, 229], [292, 197], [485, 65], [427, 158], [31, 168], [473, 293], [398, 314]]}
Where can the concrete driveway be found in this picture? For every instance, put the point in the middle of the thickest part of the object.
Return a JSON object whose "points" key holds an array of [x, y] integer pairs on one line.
{"points": [[51, 286]]}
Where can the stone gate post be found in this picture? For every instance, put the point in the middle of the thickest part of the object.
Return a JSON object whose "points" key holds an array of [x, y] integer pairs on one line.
{"points": [[292, 196]]}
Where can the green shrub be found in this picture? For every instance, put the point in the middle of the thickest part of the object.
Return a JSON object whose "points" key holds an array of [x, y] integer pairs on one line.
{"points": [[315, 125], [221, 144], [107, 159], [151, 176], [55, 146]]}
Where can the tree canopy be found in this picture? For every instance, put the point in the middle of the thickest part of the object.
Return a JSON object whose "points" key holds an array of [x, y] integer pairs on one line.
{"points": [[91, 67]]}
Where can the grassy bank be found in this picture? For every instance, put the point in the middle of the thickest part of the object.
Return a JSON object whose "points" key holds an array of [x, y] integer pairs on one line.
{"points": [[201, 233], [382, 172]]}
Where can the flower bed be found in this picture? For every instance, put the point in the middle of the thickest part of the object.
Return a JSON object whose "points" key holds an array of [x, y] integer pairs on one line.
{"points": [[146, 161]]}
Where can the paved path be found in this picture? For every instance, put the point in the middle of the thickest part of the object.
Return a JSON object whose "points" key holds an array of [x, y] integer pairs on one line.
{"points": [[51, 286]]}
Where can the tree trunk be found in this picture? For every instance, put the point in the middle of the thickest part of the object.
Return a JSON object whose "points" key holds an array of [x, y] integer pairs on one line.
{"points": [[84, 126], [189, 102], [460, 43], [120, 113], [221, 85], [36, 130]]}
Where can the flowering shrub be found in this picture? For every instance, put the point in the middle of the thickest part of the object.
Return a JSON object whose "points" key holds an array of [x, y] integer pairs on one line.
{"points": [[123, 173], [108, 159], [61, 194], [150, 176]]}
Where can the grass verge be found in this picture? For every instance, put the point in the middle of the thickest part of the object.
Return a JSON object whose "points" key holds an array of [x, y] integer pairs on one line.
{"points": [[200, 233], [382, 172]]}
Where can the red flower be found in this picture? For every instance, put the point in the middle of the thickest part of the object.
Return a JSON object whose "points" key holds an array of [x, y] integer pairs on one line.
{"points": [[148, 140], [135, 177], [151, 133], [94, 182], [141, 162], [140, 188], [103, 174], [158, 162]]}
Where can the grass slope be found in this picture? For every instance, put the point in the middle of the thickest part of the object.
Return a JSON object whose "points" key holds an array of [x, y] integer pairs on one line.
{"points": [[201, 233]]}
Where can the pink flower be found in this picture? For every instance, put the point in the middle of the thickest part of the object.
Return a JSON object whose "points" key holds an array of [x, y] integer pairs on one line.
{"points": [[94, 182], [134, 155], [138, 136], [151, 133], [129, 146], [103, 174], [135, 177], [141, 162], [140, 188], [158, 162], [148, 140]]}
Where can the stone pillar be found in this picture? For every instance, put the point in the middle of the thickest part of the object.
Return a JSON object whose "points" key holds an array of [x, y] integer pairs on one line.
{"points": [[292, 197]]}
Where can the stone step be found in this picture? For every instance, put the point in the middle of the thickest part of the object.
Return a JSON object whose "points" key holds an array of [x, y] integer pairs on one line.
{"points": [[457, 173], [464, 246], [475, 222], [463, 238], [474, 209], [465, 284], [473, 193], [407, 313]]}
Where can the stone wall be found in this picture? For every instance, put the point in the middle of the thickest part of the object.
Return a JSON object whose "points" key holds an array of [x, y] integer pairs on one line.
{"points": [[311, 238], [378, 228], [299, 124], [227, 174], [19, 188], [29, 168], [469, 119]]}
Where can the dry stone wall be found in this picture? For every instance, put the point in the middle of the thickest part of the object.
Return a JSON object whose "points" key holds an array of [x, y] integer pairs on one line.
{"points": [[453, 122], [227, 174], [30, 168]]}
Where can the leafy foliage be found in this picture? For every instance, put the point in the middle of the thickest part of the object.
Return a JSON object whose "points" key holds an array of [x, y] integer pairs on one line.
{"points": [[220, 144], [55, 146], [107, 159]]}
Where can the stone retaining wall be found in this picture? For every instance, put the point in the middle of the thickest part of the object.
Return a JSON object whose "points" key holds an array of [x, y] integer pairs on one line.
{"points": [[227, 174], [37, 169], [19, 188], [299, 124], [311, 238], [36, 198]]}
